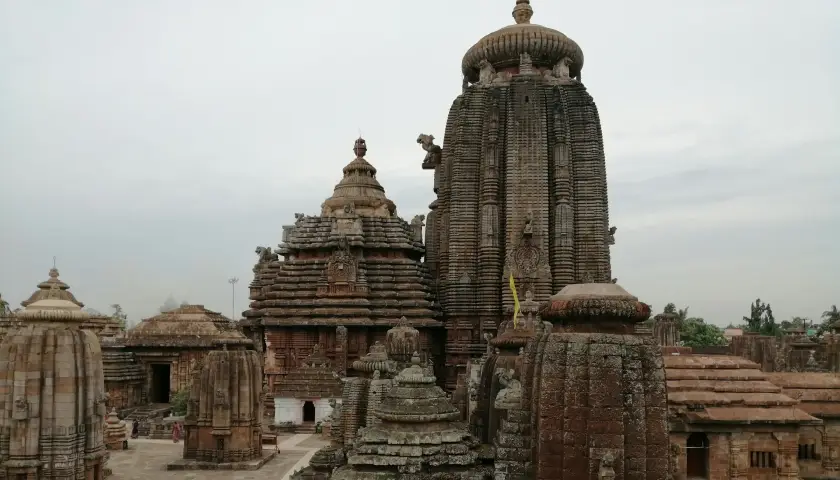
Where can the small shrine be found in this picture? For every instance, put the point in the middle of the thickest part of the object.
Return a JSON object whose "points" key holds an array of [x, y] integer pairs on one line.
{"points": [[116, 432], [168, 346], [418, 434], [52, 391], [223, 425]]}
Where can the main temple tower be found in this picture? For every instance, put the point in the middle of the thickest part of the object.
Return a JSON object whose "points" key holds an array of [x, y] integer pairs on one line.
{"points": [[520, 182]]}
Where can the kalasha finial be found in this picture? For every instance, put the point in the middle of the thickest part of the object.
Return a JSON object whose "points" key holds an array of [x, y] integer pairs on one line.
{"points": [[360, 147], [523, 12], [415, 359], [53, 272]]}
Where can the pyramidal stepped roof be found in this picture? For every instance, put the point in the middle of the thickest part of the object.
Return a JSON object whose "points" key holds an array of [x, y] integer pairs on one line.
{"points": [[419, 432], [357, 263], [191, 325]]}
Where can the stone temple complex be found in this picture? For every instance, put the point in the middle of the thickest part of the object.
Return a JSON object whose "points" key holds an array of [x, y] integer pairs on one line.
{"points": [[341, 279], [520, 183], [52, 391]]}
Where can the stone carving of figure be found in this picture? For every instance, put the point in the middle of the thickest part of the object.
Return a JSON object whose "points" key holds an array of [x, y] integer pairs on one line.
{"points": [[510, 396], [350, 208], [526, 66], [465, 84], [265, 254], [433, 152], [606, 470], [487, 338], [529, 227], [611, 235], [614, 280], [561, 69], [21, 411], [417, 221], [299, 218], [220, 399], [486, 73]]}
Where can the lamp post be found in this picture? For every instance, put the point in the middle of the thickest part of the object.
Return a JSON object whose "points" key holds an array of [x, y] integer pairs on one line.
{"points": [[232, 281]]}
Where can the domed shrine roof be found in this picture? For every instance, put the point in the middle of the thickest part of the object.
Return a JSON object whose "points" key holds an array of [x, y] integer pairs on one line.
{"points": [[52, 284], [186, 326], [584, 302], [359, 188], [502, 48], [52, 301], [312, 379]]}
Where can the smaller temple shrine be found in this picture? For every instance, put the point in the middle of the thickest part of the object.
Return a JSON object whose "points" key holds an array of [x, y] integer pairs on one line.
{"points": [[168, 347], [116, 432], [419, 435], [342, 278], [52, 391], [304, 397], [727, 420], [223, 425]]}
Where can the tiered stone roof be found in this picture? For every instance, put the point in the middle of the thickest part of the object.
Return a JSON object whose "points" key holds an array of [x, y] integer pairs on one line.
{"points": [[313, 379], [727, 389], [817, 392], [186, 326], [355, 264], [119, 365], [419, 434]]}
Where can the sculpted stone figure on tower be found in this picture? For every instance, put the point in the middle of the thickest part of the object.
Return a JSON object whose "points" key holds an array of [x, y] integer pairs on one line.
{"points": [[522, 156]]}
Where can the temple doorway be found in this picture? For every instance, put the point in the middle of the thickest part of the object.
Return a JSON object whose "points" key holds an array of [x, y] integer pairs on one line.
{"points": [[160, 383], [697, 456], [308, 411]]}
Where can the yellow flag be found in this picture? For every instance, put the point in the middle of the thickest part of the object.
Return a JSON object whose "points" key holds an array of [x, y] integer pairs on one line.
{"points": [[515, 301]]}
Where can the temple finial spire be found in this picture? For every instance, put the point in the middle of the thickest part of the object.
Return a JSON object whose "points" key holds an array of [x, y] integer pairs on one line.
{"points": [[360, 147], [523, 12]]}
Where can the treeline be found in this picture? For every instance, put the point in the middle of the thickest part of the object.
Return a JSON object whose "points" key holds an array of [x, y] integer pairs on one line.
{"points": [[695, 332]]}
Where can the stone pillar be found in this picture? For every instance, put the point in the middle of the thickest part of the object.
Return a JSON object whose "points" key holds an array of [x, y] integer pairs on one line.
{"points": [[786, 462], [739, 456], [341, 350], [831, 450]]}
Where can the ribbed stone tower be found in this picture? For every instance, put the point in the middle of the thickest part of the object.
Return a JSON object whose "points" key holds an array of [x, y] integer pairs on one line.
{"points": [[520, 181], [52, 391], [223, 425]]}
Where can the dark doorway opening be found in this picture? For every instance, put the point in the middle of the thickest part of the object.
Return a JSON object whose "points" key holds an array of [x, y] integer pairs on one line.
{"points": [[160, 383], [308, 411], [697, 456]]}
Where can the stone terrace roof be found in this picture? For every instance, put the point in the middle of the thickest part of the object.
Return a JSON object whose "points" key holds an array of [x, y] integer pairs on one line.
{"points": [[817, 392], [313, 379], [726, 389], [186, 326]]}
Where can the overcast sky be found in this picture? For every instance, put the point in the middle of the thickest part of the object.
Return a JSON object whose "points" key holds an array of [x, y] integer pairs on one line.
{"points": [[150, 145]]}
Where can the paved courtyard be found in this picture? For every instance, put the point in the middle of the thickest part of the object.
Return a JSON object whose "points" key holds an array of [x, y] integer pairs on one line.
{"points": [[146, 459]]}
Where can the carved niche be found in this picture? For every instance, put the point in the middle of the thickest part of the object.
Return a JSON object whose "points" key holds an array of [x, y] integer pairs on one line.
{"points": [[342, 271]]}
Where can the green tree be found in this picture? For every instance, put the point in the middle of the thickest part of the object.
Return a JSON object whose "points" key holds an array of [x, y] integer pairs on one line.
{"points": [[695, 332], [832, 315], [4, 306], [119, 315], [796, 322], [761, 319], [178, 402]]}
